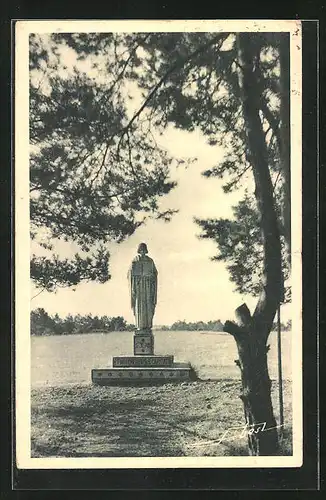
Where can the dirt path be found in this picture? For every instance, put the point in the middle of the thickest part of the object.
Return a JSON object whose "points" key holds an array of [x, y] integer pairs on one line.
{"points": [[186, 419]]}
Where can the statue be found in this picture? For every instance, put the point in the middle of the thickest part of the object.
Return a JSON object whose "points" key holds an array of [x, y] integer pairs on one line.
{"points": [[142, 277]]}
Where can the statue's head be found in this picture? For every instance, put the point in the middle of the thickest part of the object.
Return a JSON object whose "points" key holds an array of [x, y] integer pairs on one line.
{"points": [[142, 249]]}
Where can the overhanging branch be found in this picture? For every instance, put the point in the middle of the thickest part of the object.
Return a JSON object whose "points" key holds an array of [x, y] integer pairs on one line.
{"points": [[178, 65], [273, 123]]}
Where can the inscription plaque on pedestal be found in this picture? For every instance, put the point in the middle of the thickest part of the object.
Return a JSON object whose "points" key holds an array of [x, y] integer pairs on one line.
{"points": [[143, 344], [142, 361]]}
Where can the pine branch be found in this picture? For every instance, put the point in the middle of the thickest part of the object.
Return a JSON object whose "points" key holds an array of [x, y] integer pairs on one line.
{"points": [[179, 64], [276, 180], [39, 293], [132, 53], [272, 121]]}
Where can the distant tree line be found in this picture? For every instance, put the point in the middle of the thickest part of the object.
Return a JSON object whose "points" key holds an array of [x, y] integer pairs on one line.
{"points": [[43, 323], [216, 326]]}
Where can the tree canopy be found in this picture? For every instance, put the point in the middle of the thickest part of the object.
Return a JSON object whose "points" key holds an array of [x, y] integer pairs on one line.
{"points": [[96, 168], [94, 176]]}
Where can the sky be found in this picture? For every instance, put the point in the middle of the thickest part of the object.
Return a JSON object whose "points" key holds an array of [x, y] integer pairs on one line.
{"points": [[190, 286]]}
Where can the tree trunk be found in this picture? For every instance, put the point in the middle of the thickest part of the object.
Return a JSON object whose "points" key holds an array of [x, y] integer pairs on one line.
{"points": [[256, 397], [256, 386], [251, 332]]}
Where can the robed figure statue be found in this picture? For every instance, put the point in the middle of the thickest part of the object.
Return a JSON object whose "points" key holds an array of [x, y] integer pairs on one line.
{"points": [[142, 277]]}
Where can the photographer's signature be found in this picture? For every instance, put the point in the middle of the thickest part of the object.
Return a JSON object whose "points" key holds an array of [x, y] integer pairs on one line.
{"points": [[242, 431], [239, 432]]}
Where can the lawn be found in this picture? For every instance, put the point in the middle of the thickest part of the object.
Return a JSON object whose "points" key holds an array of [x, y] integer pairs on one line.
{"points": [[61, 360], [185, 419]]}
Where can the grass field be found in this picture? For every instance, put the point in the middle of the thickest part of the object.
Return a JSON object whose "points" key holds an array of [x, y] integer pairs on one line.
{"points": [[61, 360], [185, 419], [72, 418]]}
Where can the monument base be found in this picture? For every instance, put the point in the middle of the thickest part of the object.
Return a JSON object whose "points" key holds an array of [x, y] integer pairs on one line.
{"points": [[144, 367], [179, 372]]}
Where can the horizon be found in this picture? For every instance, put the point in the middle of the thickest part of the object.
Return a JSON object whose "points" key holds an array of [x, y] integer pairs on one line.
{"points": [[155, 326]]}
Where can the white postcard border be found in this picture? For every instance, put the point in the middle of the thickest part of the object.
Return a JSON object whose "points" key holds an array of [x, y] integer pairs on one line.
{"points": [[22, 285]]}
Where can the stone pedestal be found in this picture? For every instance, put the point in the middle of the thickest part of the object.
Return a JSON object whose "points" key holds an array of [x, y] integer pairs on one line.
{"points": [[144, 367]]}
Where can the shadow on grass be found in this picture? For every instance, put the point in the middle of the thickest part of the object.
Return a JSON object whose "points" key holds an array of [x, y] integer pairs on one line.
{"points": [[111, 428], [235, 450], [103, 428], [95, 422]]}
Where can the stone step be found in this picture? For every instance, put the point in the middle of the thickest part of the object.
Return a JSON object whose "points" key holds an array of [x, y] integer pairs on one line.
{"points": [[142, 361], [116, 376]]}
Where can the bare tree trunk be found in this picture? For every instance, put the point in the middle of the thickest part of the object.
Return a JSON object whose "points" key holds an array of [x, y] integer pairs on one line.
{"points": [[256, 384], [251, 332]]}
